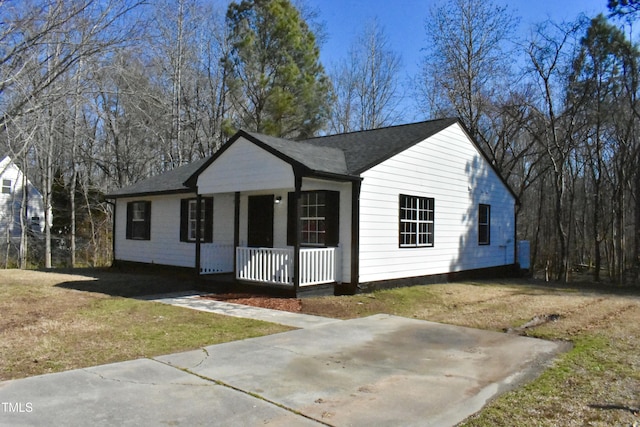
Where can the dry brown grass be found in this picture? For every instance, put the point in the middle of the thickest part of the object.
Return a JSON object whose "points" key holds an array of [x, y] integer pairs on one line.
{"points": [[51, 322], [48, 326], [596, 383]]}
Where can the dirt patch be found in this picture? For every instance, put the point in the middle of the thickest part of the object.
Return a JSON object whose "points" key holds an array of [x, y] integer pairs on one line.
{"points": [[285, 304]]}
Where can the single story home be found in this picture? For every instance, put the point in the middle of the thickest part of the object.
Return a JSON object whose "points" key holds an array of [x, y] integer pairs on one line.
{"points": [[396, 205], [21, 204]]}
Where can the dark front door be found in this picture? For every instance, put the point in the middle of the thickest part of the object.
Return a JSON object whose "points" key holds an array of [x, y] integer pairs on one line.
{"points": [[260, 228]]}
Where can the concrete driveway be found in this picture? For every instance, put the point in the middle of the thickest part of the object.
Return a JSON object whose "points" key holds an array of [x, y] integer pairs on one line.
{"points": [[375, 371]]}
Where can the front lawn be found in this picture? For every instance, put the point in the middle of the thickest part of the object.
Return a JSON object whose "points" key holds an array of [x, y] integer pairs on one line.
{"points": [[48, 325], [51, 322]]}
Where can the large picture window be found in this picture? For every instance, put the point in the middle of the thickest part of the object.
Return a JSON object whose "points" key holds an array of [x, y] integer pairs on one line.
{"points": [[139, 220], [484, 224], [319, 218], [417, 216], [189, 220]]}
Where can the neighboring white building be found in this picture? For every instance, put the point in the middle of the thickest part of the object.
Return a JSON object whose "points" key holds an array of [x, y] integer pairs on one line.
{"points": [[397, 205], [12, 198]]}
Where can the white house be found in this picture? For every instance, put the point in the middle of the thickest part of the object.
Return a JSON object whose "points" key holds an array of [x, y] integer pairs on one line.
{"points": [[402, 204], [18, 192]]}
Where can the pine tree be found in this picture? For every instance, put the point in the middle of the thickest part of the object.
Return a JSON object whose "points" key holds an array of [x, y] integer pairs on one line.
{"points": [[275, 80]]}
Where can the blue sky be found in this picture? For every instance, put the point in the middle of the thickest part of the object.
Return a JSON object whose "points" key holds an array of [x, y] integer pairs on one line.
{"points": [[404, 20]]}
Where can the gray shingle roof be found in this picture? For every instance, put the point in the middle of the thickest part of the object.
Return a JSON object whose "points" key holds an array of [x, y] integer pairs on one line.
{"points": [[313, 156], [172, 181], [346, 154], [365, 149]]}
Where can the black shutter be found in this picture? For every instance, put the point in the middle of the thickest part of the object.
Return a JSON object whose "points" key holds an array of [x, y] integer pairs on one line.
{"points": [[129, 219], [147, 220], [184, 220], [332, 218], [291, 219], [208, 219]]}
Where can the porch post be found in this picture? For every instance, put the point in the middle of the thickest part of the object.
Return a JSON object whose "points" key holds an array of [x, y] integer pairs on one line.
{"points": [[198, 234], [355, 235], [296, 240], [236, 230]]}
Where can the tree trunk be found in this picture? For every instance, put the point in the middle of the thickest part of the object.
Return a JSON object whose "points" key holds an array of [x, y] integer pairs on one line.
{"points": [[24, 223], [636, 244]]}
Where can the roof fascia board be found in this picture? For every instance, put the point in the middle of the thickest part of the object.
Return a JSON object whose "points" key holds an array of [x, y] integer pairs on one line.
{"points": [[149, 194], [332, 176], [486, 158], [298, 168], [191, 182]]}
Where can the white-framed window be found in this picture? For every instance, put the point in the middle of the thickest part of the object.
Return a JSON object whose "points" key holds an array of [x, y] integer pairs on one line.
{"points": [[6, 186], [484, 224], [139, 220], [313, 219], [319, 218], [193, 220], [189, 219], [417, 220]]}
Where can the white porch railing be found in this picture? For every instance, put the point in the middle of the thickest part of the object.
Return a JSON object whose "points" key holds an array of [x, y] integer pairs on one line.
{"points": [[275, 265], [318, 265], [216, 258]]}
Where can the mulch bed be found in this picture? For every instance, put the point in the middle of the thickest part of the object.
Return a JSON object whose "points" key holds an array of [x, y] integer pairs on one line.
{"points": [[293, 305]]}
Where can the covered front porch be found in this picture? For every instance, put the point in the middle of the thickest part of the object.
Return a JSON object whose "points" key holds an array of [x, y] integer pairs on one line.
{"points": [[280, 239], [276, 222], [272, 266]]}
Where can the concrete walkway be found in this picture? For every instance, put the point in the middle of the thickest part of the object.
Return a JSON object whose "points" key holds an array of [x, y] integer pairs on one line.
{"points": [[192, 300], [376, 371]]}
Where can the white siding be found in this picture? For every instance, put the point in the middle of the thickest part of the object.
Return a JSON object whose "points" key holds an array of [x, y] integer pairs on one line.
{"points": [[223, 219], [10, 203], [165, 246], [448, 168], [245, 167]]}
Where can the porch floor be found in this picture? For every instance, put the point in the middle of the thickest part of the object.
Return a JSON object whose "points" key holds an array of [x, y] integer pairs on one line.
{"points": [[225, 283]]}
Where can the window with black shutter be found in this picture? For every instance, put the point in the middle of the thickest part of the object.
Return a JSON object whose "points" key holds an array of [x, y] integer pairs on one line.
{"points": [[139, 220], [319, 218], [189, 220]]}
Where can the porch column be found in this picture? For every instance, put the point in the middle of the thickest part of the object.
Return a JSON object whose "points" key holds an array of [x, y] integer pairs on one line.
{"points": [[198, 234], [236, 230], [296, 239], [355, 235]]}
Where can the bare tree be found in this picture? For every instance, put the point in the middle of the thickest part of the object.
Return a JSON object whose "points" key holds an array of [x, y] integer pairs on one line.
{"points": [[466, 60], [366, 88], [552, 130]]}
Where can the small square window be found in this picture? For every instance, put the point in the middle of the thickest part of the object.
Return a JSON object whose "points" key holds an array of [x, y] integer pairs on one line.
{"points": [[6, 186]]}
